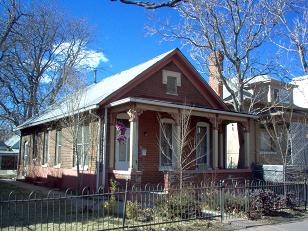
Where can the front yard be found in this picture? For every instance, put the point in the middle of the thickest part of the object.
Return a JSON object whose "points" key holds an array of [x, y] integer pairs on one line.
{"points": [[144, 211]]}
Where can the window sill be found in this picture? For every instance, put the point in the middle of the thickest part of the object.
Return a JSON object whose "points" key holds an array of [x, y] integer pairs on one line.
{"points": [[203, 168], [124, 172], [57, 166], [166, 169], [85, 168], [169, 93], [267, 153]]}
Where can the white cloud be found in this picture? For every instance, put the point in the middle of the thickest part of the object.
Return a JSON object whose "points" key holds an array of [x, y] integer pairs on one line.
{"points": [[92, 58], [87, 58]]}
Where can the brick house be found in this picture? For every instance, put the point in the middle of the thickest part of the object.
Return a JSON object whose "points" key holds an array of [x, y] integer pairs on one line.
{"points": [[147, 100]]}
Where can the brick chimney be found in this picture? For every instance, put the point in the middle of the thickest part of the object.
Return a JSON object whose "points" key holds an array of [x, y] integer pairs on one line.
{"points": [[214, 80]]}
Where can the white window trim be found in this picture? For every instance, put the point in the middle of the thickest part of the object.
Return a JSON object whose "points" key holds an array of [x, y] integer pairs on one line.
{"points": [[117, 149], [207, 126], [174, 74], [167, 168]]}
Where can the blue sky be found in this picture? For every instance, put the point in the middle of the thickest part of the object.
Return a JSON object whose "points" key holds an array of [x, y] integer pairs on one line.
{"points": [[119, 32]]}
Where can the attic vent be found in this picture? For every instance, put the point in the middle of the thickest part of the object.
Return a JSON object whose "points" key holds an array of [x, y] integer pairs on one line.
{"points": [[172, 80]]}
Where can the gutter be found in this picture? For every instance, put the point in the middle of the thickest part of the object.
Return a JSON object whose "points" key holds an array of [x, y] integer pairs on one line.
{"points": [[25, 125], [98, 149], [165, 104]]}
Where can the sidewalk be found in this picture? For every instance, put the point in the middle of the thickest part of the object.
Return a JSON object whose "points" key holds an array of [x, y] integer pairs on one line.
{"points": [[291, 226]]}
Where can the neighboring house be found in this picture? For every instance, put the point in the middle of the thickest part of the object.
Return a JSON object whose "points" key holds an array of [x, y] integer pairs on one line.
{"points": [[147, 100], [9, 151], [268, 98], [300, 93]]}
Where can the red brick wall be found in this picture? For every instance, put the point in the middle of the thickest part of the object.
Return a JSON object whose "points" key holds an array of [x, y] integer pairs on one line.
{"points": [[66, 175], [154, 88], [149, 139]]}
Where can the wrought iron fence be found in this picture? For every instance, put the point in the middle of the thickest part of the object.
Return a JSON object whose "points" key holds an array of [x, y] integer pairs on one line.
{"points": [[122, 208]]}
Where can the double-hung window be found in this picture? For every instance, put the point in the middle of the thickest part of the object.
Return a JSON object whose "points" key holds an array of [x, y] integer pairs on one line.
{"points": [[58, 147], [167, 144], [82, 154], [45, 148], [267, 145], [202, 145]]}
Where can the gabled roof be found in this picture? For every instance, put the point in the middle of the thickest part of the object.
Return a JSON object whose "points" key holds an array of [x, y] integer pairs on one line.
{"points": [[13, 142], [92, 96]]}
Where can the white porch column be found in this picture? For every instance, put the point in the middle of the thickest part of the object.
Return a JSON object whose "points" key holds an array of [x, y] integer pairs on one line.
{"points": [[133, 144]]}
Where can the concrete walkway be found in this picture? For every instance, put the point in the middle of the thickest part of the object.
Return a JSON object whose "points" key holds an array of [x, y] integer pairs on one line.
{"points": [[291, 226]]}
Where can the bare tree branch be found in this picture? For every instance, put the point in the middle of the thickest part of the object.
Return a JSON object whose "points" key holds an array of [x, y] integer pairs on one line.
{"points": [[152, 5]]}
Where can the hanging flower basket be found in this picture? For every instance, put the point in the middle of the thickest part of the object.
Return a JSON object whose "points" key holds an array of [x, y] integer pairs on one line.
{"points": [[121, 138]]}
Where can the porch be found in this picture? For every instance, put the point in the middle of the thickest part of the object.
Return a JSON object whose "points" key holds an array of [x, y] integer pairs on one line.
{"points": [[152, 148]]}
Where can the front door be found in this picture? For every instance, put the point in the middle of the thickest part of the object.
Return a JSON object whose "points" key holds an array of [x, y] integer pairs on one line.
{"points": [[122, 153]]}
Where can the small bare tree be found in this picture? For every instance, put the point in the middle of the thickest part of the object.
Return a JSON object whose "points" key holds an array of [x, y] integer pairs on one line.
{"points": [[287, 132], [179, 146], [78, 127]]}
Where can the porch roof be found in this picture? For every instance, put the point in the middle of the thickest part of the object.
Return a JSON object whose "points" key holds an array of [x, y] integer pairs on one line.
{"points": [[179, 106]]}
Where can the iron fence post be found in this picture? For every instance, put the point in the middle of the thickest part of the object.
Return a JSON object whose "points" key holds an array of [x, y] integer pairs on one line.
{"points": [[246, 196], [124, 206], [222, 199], [305, 193]]}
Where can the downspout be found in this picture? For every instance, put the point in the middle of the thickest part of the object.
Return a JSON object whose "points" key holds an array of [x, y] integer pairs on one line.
{"points": [[105, 146], [19, 159], [98, 149]]}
